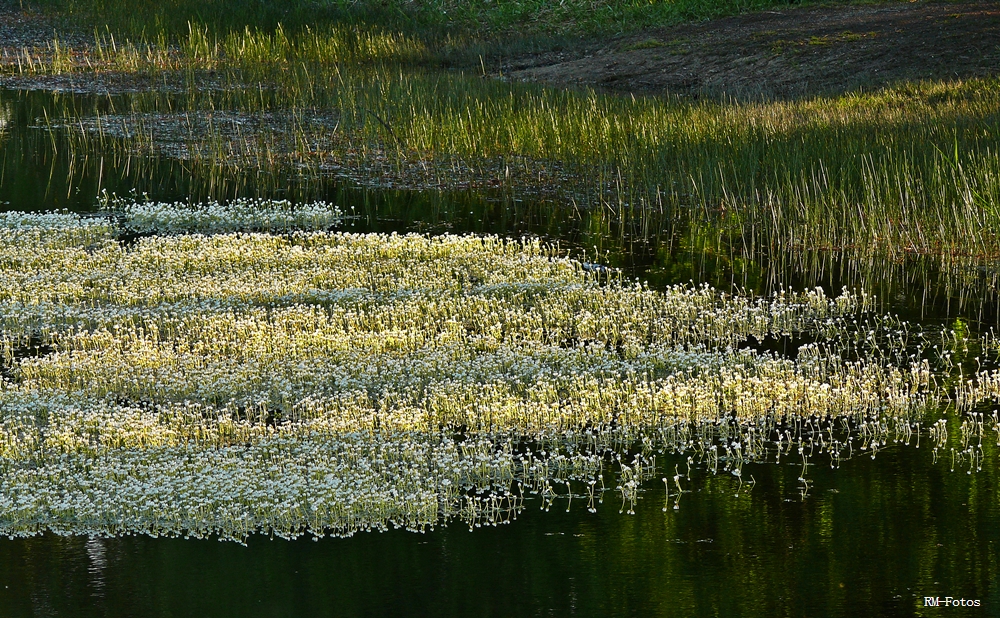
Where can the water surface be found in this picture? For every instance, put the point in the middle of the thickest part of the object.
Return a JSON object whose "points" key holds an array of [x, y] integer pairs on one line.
{"points": [[872, 538]]}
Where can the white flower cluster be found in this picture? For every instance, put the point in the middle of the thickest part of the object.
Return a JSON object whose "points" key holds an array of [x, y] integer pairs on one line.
{"points": [[288, 484], [327, 382], [56, 230], [245, 214]]}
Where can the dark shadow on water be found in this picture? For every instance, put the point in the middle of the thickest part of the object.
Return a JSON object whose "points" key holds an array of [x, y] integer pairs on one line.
{"points": [[33, 348], [785, 346], [876, 534]]}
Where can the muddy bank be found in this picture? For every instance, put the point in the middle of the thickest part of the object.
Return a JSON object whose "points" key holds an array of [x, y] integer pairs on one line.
{"points": [[785, 54]]}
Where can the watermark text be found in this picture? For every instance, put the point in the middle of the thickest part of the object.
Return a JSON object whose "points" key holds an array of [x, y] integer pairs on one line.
{"points": [[950, 602]]}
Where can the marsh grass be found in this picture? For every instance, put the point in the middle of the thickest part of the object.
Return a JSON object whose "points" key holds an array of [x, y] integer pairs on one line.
{"points": [[903, 171], [907, 169], [201, 49], [910, 168]]}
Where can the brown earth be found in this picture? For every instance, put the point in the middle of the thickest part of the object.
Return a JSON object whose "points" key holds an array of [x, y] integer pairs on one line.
{"points": [[785, 54]]}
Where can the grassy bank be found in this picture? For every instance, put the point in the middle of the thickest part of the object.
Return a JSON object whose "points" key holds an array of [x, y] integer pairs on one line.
{"points": [[137, 17]]}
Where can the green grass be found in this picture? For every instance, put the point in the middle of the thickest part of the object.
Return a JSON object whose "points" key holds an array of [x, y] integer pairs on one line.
{"points": [[136, 17], [906, 169], [910, 168], [448, 31]]}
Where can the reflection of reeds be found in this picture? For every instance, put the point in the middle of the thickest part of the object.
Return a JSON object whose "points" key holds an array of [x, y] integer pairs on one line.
{"points": [[905, 171], [224, 153], [205, 157]]}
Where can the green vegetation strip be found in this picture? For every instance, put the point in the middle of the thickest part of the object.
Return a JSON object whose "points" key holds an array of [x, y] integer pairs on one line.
{"points": [[910, 168], [907, 169], [137, 17]]}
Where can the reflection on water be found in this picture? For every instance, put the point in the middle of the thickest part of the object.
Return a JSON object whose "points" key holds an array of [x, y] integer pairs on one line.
{"points": [[98, 562], [872, 538]]}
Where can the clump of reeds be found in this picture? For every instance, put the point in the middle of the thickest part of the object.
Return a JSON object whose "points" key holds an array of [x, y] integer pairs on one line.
{"points": [[910, 169], [253, 51]]}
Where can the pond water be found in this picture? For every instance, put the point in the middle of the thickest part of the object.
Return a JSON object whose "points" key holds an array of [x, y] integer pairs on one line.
{"points": [[872, 538]]}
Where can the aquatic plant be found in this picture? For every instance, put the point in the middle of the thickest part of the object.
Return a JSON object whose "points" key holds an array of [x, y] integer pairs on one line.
{"points": [[905, 170], [245, 215], [324, 383]]}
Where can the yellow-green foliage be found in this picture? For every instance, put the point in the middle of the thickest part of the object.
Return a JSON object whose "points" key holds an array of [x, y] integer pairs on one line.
{"points": [[906, 169], [910, 168]]}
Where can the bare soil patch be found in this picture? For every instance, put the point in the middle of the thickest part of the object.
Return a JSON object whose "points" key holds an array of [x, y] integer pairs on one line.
{"points": [[785, 54]]}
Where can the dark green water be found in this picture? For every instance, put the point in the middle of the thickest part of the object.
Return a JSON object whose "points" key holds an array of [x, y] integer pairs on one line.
{"points": [[872, 538]]}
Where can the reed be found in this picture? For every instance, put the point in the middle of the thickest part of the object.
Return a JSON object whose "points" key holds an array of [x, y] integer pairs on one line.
{"points": [[907, 169], [910, 169]]}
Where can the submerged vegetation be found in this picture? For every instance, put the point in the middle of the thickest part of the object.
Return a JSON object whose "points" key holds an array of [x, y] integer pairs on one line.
{"points": [[324, 383]]}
